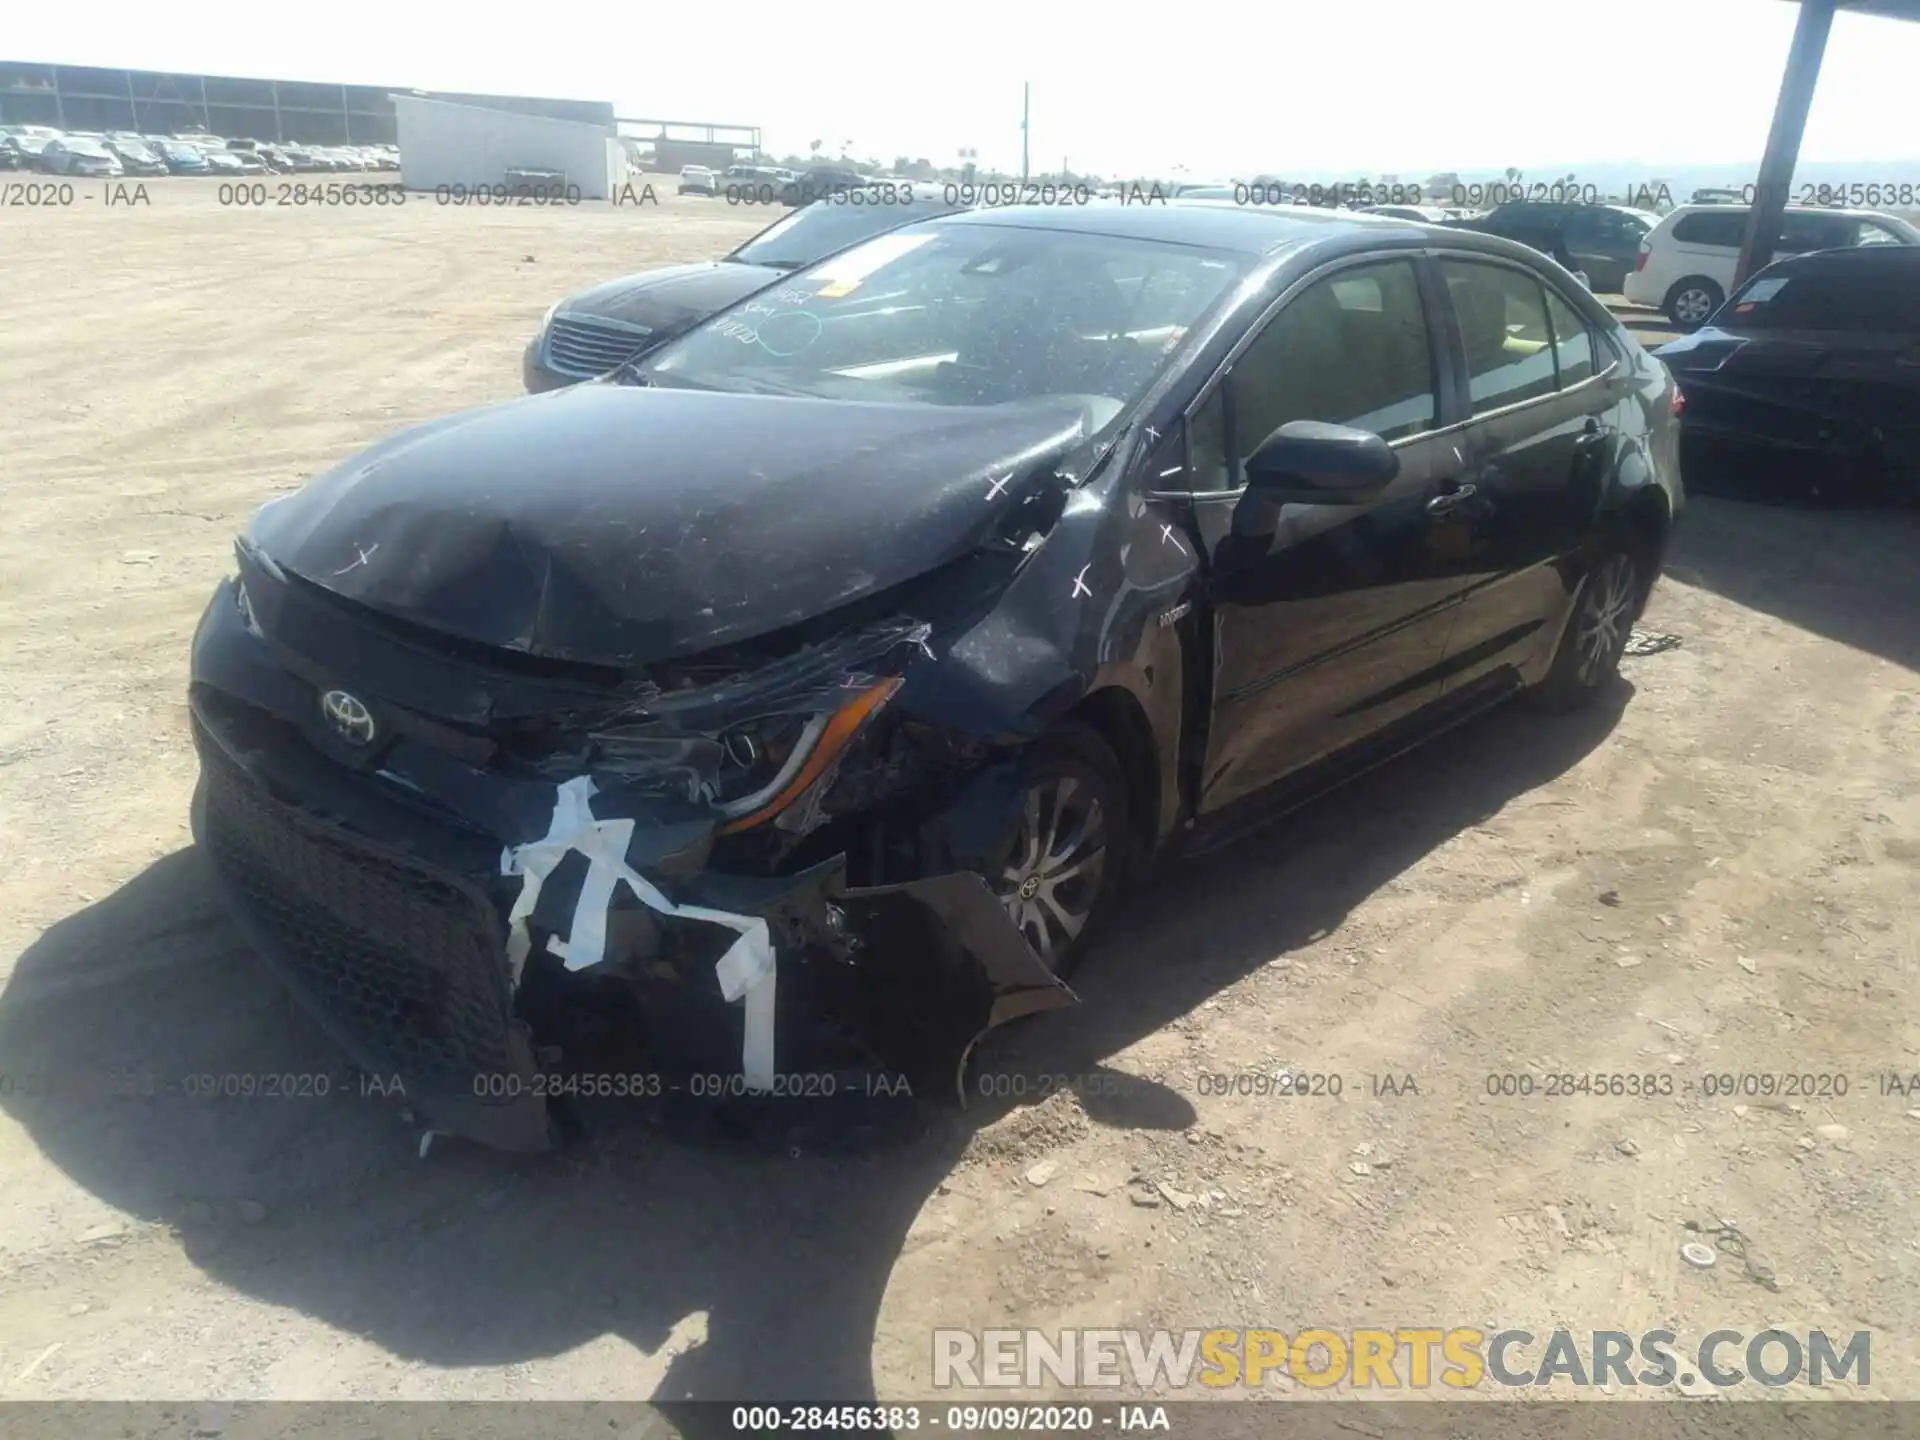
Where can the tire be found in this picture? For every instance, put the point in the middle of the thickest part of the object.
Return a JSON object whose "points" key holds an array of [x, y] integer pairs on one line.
{"points": [[1691, 301], [1069, 775], [1588, 657]]}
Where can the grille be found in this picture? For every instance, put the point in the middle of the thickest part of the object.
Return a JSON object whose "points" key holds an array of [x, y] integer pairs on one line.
{"points": [[580, 346], [406, 965]]}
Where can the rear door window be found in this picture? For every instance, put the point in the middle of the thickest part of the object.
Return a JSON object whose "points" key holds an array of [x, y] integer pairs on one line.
{"points": [[1573, 351], [1614, 229], [1800, 233], [1503, 326]]}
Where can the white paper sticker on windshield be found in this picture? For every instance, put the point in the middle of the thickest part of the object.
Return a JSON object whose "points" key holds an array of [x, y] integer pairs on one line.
{"points": [[1763, 290]]}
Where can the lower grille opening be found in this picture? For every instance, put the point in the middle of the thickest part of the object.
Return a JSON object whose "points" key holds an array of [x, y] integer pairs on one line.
{"points": [[406, 966]]}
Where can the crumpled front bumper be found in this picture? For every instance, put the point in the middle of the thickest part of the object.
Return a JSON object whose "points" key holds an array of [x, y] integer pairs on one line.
{"points": [[387, 915]]}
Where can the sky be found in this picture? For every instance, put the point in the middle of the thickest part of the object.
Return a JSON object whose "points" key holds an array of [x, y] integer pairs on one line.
{"points": [[1210, 88]]}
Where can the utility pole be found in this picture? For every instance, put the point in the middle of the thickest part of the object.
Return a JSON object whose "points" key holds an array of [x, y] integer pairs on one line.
{"points": [[1026, 114]]}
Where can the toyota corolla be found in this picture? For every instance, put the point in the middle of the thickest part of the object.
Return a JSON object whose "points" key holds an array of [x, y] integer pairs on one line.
{"points": [[806, 691]]}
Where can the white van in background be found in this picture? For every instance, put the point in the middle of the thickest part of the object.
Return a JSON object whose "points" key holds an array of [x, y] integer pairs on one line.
{"points": [[1686, 262]]}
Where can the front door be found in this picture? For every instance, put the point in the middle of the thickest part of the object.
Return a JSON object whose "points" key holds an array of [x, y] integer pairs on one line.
{"points": [[1329, 621]]}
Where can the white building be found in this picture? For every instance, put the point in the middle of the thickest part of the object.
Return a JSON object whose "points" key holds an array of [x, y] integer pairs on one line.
{"points": [[447, 144]]}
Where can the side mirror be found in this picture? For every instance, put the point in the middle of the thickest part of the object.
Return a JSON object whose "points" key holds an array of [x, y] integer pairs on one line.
{"points": [[1309, 462]]}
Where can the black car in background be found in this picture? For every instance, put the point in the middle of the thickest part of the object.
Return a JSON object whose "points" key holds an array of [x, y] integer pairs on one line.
{"points": [[136, 156], [1603, 241], [590, 333], [873, 634], [1806, 382], [821, 180]]}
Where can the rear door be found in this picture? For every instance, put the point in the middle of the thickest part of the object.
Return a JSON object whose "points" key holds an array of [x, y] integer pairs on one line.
{"points": [[1331, 621], [1606, 242], [1541, 390]]}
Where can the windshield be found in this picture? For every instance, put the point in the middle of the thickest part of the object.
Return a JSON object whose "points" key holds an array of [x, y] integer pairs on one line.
{"points": [[815, 231], [971, 314]]}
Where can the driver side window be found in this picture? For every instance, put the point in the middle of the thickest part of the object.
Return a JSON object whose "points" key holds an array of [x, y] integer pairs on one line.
{"points": [[1352, 349]]}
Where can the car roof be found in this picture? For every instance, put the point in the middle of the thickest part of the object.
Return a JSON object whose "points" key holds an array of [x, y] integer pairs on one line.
{"points": [[1692, 208], [1213, 224], [1884, 256]]}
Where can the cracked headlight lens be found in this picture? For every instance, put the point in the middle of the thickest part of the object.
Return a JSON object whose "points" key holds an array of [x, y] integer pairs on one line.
{"points": [[751, 771], [803, 759]]}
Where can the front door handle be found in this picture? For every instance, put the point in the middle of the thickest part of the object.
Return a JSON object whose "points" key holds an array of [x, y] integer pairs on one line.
{"points": [[1450, 500]]}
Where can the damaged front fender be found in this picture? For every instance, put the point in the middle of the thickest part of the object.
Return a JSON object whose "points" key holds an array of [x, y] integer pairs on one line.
{"points": [[946, 965]]}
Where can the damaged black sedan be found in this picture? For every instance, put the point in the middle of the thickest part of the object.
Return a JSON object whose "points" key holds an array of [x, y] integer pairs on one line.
{"points": [[810, 687]]}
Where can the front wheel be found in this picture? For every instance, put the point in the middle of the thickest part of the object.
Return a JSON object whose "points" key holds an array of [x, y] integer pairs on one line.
{"points": [[1596, 634], [1061, 863]]}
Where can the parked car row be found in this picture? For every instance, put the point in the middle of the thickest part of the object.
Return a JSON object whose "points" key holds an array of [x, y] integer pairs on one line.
{"points": [[774, 184], [1683, 262], [113, 153]]}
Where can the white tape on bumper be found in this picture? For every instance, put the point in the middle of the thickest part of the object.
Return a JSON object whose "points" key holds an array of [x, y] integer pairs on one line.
{"points": [[745, 972]]}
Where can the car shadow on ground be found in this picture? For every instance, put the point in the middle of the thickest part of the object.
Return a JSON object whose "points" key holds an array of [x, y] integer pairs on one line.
{"points": [[1850, 573], [742, 1268]]}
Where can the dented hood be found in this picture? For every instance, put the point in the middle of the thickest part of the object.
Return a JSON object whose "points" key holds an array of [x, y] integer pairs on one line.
{"points": [[625, 525]]}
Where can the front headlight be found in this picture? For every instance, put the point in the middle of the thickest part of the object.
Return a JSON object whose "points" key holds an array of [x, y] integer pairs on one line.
{"points": [[751, 771]]}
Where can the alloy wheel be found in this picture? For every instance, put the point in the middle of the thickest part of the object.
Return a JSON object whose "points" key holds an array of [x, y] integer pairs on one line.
{"points": [[1692, 306], [1054, 869], [1606, 617]]}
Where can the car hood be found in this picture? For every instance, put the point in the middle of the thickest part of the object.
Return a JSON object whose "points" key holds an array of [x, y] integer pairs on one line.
{"points": [[624, 525], [671, 299]]}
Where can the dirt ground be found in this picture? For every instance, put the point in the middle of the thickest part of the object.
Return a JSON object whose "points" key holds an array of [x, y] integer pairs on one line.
{"points": [[1714, 875]]}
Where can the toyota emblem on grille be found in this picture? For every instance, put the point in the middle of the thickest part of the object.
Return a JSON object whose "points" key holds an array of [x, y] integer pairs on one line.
{"points": [[347, 717]]}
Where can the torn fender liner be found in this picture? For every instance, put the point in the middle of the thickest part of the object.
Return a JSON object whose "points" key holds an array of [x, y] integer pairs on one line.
{"points": [[745, 971], [398, 962], [940, 965]]}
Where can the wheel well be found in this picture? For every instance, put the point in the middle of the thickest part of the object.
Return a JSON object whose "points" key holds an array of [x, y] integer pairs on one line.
{"points": [[1123, 724], [1644, 522]]}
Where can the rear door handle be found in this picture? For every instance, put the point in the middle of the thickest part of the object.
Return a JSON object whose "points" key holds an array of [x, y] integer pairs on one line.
{"points": [[1450, 500]]}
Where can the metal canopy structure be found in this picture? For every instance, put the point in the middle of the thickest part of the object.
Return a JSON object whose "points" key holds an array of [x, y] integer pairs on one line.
{"points": [[1797, 85]]}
